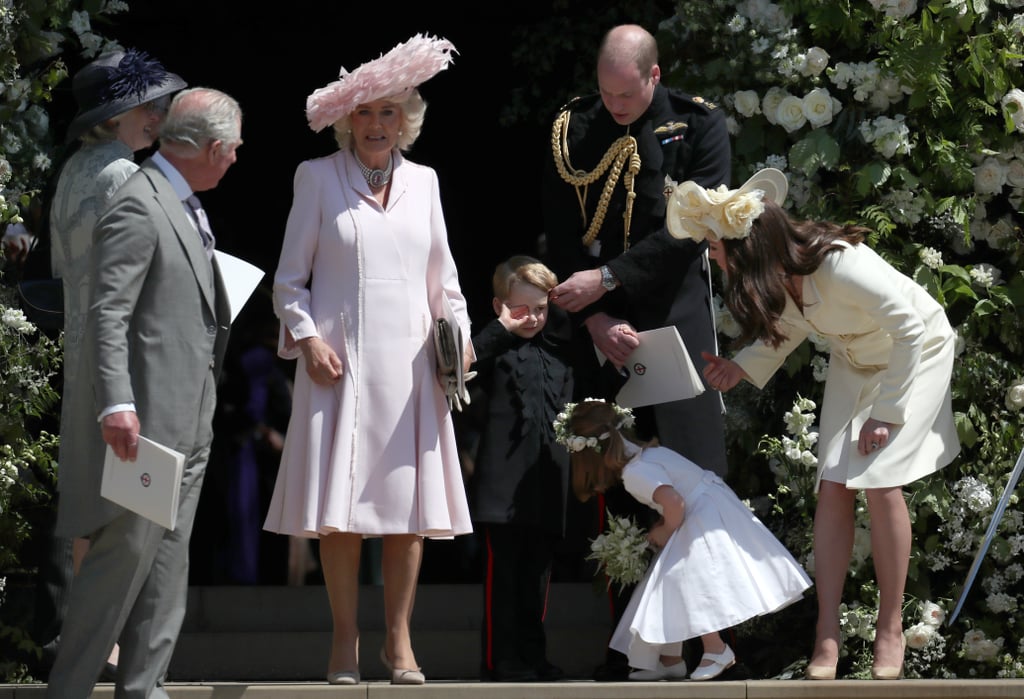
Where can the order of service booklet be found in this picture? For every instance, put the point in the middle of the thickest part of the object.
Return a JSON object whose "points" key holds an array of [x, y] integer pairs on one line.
{"points": [[660, 370], [148, 486]]}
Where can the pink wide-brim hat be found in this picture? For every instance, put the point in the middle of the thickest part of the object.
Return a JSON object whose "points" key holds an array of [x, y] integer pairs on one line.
{"points": [[401, 69]]}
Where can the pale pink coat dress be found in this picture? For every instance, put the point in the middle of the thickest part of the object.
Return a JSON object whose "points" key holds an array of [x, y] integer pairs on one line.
{"points": [[376, 453]]}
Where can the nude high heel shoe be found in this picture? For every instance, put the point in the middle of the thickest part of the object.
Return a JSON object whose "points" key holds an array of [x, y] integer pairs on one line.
{"points": [[888, 672], [820, 672], [400, 676]]}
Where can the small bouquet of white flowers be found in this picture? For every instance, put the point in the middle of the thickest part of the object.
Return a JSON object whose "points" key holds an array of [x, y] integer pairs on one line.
{"points": [[622, 551]]}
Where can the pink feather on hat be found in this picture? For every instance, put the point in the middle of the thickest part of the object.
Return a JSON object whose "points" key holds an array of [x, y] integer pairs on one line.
{"points": [[402, 68]]}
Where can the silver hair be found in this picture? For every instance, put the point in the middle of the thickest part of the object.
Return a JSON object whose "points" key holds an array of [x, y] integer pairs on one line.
{"points": [[413, 108], [199, 115]]}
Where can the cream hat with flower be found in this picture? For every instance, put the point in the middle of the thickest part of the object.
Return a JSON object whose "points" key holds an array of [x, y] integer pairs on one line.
{"points": [[399, 70], [698, 213]]}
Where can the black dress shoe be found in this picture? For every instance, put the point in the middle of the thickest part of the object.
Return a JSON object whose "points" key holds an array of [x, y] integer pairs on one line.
{"points": [[511, 671], [612, 670], [546, 672], [109, 673]]}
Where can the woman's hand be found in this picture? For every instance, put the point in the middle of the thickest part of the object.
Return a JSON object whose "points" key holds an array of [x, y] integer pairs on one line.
{"points": [[874, 435], [322, 363], [722, 374]]}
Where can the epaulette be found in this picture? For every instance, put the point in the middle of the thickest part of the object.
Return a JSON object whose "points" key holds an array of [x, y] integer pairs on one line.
{"points": [[578, 103], [700, 100], [684, 100]]}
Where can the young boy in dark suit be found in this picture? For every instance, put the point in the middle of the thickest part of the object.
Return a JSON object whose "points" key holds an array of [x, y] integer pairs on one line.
{"points": [[518, 489]]}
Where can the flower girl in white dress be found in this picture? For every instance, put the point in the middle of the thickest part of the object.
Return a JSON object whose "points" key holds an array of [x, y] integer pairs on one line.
{"points": [[717, 565]]}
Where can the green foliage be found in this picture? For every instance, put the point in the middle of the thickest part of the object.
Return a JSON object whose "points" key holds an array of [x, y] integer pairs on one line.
{"points": [[34, 35], [925, 146]]}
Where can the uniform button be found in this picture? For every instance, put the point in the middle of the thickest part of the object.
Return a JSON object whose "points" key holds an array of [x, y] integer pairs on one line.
{"points": [[211, 329]]}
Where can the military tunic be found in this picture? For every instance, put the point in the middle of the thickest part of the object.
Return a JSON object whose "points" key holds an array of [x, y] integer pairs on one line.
{"points": [[664, 281]]}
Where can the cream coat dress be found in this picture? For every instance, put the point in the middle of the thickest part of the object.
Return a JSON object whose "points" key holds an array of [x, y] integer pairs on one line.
{"points": [[375, 454], [891, 359]]}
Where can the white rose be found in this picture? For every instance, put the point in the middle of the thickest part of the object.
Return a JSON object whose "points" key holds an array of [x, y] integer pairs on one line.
{"points": [[816, 61], [790, 113], [1015, 396], [1001, 235], [990, 176], [919, 635], [770, 103], [817, 107], [577, 443], [1015, 173], [1013, 102], [932, 614], [747, 103]]}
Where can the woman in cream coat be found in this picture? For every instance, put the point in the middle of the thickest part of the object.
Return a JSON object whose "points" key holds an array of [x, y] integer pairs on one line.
{"points": [[364, 269], [887, 417]]}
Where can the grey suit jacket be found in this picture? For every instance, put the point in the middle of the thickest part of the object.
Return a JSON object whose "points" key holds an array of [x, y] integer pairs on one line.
{"points": [[158, 324]]}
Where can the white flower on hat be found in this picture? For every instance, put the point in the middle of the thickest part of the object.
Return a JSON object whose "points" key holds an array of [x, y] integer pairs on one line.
{"points": [[698, 213]]}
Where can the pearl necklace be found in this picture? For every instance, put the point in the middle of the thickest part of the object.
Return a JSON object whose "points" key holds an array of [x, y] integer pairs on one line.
{"points": [[376, 177]]}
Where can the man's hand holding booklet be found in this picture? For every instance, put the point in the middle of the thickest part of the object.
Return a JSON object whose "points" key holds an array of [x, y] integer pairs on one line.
{"points": [[148, 486]]}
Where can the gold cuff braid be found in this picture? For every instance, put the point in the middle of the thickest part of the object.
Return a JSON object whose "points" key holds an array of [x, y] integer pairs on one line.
{"points": [[614, 159]]}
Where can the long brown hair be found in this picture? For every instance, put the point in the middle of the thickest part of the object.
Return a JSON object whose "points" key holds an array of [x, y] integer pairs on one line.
{"points": [[595, 471], [757, 265]]}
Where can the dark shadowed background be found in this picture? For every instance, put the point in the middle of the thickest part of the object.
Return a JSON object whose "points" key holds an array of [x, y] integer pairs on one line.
{"points": [[486, 133]]}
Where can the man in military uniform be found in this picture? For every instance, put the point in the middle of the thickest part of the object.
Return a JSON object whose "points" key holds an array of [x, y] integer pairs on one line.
{"points": [[613, 156]]}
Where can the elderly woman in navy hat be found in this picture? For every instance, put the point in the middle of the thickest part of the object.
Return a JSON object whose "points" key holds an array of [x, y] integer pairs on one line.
{"points": [[122, 97]]}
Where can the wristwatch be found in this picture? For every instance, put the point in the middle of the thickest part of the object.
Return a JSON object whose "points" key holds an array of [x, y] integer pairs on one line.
{"points": [[608, 280]]}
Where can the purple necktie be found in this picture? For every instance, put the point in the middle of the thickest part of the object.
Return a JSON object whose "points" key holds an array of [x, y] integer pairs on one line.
{"points": [[202, 224]]}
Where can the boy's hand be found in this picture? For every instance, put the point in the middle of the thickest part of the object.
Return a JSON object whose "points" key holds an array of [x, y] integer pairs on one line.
{"points": [[514, 317]]}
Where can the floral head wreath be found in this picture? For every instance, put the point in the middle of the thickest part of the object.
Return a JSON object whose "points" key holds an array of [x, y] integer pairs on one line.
{"points": [[574, 442], [698, 213], [394, 73]]}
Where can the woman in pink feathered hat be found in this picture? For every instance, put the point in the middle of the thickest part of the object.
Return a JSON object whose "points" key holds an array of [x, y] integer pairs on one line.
{"points": [[364, 270]]}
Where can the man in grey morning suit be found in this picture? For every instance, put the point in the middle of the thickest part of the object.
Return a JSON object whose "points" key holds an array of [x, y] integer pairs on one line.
{"points": [[157, 328]]}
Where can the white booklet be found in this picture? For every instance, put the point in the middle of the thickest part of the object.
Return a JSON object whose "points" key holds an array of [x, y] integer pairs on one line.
{"points": [[240, 279], [660, 370], [148, 486]]}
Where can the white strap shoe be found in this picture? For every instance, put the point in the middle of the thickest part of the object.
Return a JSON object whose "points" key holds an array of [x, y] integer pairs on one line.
{"points": [[720, 662]]}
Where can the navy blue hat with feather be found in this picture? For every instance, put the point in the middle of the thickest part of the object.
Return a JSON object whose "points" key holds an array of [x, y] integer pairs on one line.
{"points": [[115, 83]]}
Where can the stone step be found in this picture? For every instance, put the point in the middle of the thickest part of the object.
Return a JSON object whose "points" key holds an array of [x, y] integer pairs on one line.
{"points": [[283, 633], [759, 689]]}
